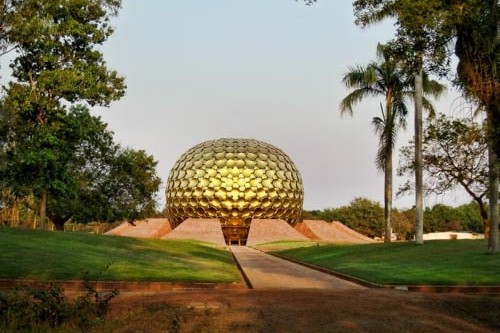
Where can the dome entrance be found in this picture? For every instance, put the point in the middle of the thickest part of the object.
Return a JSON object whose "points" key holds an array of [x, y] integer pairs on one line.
{"points": [[235, 230]]}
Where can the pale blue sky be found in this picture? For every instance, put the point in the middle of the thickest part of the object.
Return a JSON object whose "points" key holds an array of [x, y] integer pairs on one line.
{"points": [[270, 70]]}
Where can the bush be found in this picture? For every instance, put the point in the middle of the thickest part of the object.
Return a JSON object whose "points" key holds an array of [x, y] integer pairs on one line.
{"points": [[33, 305], [92, 307], [42, 307]]}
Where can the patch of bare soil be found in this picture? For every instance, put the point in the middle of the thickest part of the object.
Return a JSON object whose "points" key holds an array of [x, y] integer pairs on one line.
{"points": [[303, 311]]}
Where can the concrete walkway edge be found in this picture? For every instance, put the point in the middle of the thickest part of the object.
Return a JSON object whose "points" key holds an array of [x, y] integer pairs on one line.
{"points": [[336, 274], [242, 272]]}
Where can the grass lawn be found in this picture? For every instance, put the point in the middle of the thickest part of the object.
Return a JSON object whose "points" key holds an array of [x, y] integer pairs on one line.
{"points": [[44, 255], [459, 262], [284, 245]]}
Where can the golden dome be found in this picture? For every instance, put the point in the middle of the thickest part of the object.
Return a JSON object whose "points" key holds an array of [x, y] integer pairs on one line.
{"points": [[234, 180]]}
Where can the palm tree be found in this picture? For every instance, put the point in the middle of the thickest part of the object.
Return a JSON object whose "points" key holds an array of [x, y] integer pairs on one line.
{"points": [[385, 78], [421, 38]]}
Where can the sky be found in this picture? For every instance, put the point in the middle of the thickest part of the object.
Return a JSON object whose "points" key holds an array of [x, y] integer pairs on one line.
{"points": [[270, 70]]}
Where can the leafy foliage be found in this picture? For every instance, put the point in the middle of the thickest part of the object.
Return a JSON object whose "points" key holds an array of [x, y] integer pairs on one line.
{"points": [[42, 307], [422, 35], [124, 190], [95, 179], [380, 79], [455, 155], [56, 42], [477, 48], [52, 148], [465, 217], [57, 64], [470, 217], [426, 33], [389, 79], [366, 216], [363, 215]]}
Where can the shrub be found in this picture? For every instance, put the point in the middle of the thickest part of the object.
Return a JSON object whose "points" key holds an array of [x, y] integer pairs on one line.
{"points": [[42, 307]]}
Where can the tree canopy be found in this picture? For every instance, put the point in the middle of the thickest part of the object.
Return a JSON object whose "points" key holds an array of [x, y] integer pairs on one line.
{"points": [[52, 148], [455, 154], [426, 33], [366, 216]]}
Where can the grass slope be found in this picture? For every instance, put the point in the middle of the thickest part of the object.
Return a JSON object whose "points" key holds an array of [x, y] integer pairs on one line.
{"points": [[462, 262], [43, 255]]}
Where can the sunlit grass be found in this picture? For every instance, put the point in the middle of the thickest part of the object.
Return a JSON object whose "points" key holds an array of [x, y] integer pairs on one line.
{"points": [[284, 245], [459, 262], [43, 255]]}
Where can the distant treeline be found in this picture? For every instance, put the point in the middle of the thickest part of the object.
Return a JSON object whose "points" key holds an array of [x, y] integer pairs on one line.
{"points": [[367, 217]]}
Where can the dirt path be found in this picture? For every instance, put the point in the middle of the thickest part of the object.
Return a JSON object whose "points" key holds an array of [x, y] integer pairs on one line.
{"points": [[308, 311], [289, 298]]}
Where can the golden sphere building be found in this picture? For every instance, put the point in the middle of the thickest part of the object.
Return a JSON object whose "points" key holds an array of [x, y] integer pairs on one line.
{"points": [[235, 181]]}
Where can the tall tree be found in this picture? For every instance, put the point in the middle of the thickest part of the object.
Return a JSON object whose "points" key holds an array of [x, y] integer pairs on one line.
{"points": [[90, 152], [124, 190], [425, 30], [128, 192], [112, 184], [417, 41], [388, 79], [58, 63], [455, 153], [477, 47], [97, 179]]}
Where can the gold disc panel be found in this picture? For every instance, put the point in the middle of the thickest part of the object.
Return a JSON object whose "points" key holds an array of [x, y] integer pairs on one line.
{"points": [[234, 180]]}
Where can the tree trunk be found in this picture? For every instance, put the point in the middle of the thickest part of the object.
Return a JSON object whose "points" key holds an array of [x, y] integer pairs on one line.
{"points": [[484, 215], [43, 209], [494, 166], [57, 221], [388, 169], [419, 185], [59, 224], [388, 197]]}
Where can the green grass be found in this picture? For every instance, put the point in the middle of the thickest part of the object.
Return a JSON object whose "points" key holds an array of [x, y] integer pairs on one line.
{"points": [[462, 262], [283, 245], [44, 255]]}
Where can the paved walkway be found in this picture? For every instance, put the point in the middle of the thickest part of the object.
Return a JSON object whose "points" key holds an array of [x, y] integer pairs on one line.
{"points": [[268, 272]]}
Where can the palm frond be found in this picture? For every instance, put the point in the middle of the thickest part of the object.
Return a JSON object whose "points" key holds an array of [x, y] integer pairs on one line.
{"points": [[400, 113], [348, 102], [386, 78], [432, 87], [359, 76], [378, 125], [381, 51], [386, 129], [429, 107]]}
